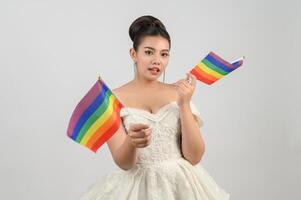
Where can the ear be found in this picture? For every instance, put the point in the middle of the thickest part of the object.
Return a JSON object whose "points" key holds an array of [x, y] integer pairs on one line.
{"points": [[133, 54]]}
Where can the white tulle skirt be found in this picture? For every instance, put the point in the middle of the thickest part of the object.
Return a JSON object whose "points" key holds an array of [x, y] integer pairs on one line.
{"points": [[169, 180]]}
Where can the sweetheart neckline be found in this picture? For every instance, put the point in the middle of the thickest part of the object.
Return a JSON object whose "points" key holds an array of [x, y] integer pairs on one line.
{"points": [[156, 113]]}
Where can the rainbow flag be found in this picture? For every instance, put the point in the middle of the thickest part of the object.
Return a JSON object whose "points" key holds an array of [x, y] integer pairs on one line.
{"points": [[213, 68], [95, 118]]}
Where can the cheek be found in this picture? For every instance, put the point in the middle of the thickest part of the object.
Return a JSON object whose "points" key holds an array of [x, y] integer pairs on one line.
{"points": [[144, 60], [165, 61]]}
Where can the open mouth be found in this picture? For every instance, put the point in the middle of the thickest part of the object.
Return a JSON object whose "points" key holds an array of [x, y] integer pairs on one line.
{"points": [[154, 69]]}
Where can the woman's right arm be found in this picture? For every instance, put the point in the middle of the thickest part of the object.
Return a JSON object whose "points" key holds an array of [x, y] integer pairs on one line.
{"points": [[122, 150], [123, 145]]}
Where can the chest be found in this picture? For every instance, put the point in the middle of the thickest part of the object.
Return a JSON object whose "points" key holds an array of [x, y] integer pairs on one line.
{"points": [[166, 118], [151, 103]]}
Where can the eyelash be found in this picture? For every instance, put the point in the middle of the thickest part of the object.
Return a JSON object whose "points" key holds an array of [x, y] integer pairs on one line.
{"points": [[151, 52]]}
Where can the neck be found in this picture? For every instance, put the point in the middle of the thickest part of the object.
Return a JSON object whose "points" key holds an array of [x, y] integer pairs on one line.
{"points": [[146, 84]]}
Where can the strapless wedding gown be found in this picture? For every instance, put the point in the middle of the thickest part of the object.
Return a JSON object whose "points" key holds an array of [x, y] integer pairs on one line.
{"points": [[161, 172]]}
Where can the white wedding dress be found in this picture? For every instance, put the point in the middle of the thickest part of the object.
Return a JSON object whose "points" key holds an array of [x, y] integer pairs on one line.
{"points": [[161, 172]]}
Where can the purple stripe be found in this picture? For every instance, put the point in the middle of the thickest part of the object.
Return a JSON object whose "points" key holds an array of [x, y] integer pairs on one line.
{"points": [[238, 63], [222, 60], [83, 105]]}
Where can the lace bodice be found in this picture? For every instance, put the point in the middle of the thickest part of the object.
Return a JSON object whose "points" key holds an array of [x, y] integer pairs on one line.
{"points": [[151, 178], [166, 131]]}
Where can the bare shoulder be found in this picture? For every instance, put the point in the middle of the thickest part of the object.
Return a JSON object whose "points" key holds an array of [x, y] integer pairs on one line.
{"points": [[121, 89], [122, 92]]}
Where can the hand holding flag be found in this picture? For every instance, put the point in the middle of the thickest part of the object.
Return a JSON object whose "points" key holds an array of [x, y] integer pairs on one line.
{"points": [[212, 68], [185, 88]]}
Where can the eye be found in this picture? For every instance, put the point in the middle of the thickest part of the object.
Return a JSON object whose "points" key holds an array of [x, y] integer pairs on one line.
{"points": [[148, 52], [165, 54]]}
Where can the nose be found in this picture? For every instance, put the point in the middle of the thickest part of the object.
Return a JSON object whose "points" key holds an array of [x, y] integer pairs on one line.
{"points": [[157, 60]]}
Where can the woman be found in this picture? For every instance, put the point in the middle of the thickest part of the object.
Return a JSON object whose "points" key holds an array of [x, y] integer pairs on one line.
{"points": [[159, 146]]}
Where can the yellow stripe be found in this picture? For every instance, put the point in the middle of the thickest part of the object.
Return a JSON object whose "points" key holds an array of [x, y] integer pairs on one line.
{"points": [[99, 122], [209, 71]]}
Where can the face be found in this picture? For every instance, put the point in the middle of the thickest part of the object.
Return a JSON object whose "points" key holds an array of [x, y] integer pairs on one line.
{"points": [[153, 52]]}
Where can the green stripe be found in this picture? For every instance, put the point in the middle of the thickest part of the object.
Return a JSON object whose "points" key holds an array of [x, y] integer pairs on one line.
{"points": [[92, 119], [213, 67]]}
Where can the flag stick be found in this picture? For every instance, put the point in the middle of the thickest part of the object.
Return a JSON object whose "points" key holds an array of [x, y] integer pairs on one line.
{"points": [[99, 78]]}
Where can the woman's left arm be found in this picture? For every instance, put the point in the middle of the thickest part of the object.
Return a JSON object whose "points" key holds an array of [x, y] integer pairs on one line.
{"points": [[193, 146]]}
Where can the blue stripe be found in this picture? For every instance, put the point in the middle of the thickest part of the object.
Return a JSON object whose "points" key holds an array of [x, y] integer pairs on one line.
{"points": [[90, 110], [237, 63], [217, 63]]}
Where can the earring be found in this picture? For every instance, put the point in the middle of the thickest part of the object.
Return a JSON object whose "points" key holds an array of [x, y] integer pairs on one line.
{"points": [[135, 68]]}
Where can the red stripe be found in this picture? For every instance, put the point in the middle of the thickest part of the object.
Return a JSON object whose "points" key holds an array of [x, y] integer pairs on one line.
{"points": [[106, 136], [102, 134], [103, 128], [200, 77], [205, 74]]}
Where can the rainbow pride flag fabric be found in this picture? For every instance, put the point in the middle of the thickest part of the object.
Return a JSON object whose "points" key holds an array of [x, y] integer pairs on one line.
{"points": [[95, 118], [212, 68]]}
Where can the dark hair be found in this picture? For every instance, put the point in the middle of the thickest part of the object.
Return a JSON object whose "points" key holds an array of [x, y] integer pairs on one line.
{"points": [[147, 26]]}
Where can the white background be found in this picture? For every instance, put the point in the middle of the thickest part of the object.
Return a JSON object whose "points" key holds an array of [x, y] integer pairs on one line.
{"points": [[52, 51]]}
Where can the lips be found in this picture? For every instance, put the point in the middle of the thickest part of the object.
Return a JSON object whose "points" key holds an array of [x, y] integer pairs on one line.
{"points": [[154, 68]]}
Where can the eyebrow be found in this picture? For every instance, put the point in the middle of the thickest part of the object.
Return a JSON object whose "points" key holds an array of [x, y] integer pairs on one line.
{"points": [[154, 49]]}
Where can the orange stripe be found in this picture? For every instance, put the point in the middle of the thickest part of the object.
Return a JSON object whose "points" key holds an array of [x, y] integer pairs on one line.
{"points": [[199, 77], [104, 127], [106, 136], [206, 75], [119, 104]]}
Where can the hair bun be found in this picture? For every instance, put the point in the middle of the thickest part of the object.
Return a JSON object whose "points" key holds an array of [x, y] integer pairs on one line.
{"points": [[143, 23], [147, 26]]}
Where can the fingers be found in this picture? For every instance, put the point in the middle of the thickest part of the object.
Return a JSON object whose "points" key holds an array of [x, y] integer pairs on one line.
{"points": [[140, 135], [143, 140], [140, 142], [186, 84], [193, 78], [188, 78], [183, 85], [142, 145], [137, 127]]}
